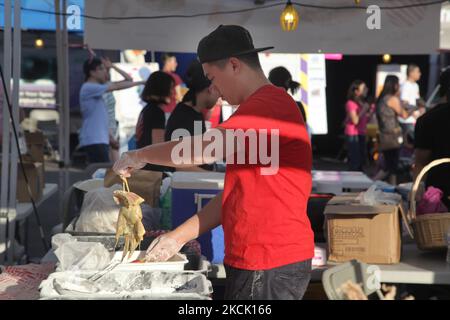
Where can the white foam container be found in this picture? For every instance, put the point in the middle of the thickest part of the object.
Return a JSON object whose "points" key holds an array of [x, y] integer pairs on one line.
{"points": [[176, 263], [130, 285]]}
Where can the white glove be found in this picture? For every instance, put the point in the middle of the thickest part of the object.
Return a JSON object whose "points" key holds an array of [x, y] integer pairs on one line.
{"points": [[128, 162], [163, 248]]}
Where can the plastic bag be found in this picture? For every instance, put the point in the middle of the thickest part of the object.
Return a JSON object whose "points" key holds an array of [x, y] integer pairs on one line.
{"points": [[374, 197], [99, 212], [59, 239], [431, 202], [74, 255]]}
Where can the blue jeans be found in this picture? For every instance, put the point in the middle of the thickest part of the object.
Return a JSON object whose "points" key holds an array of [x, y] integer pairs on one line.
{"points": [[357, 153], [287, 282]]}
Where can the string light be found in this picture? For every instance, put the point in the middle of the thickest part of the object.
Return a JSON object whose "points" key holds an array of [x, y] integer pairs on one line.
{"points": [[39, 43], [289, 18], [250, 9], [357, 2], [387, 58]]}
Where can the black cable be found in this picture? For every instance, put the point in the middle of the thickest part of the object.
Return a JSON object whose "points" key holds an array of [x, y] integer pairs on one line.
{"points": [[283, 3], [16, 138]]}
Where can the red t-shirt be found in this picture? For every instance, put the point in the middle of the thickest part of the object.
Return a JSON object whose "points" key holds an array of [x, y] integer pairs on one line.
{"points": [[264, 216], [173, 99]]}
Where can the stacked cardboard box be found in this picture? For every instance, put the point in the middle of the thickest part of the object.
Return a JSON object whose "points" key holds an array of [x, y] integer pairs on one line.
{"points": [[35, 174], [370, 234], [35, 145]]}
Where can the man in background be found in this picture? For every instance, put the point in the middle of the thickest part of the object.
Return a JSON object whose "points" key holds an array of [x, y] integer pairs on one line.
{"points": [[409, 94], [169, 62]]}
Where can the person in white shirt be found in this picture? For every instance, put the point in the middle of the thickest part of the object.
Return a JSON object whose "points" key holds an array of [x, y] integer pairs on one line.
{"points": [[409, 94], [409, 91]]}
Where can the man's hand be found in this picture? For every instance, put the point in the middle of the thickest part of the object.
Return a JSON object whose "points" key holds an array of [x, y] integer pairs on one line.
{"points": [[163, 248], [107, 63], [128, 162]]}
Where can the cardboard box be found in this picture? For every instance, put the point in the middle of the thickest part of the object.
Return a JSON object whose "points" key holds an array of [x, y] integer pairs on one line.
{"points": [[35, 145], [370, 234], [35, 175], [39, 166]]}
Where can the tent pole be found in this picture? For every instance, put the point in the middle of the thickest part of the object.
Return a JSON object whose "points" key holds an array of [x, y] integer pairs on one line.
{"points": [[7, 33], [17, 58]]}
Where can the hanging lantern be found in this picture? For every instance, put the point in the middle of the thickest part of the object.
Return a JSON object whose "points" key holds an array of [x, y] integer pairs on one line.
{"points": [[289, 18], [387, 58]]}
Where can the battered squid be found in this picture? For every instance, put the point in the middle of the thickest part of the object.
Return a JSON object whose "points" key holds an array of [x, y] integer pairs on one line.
{"points": [[129, 222]]}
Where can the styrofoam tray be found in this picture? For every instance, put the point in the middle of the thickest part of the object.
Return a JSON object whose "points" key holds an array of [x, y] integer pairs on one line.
{"points": [[176, 263], [126, 284]]}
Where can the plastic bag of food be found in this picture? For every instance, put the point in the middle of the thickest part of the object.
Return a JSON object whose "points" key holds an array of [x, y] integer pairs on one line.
{"points": [[99, 212], [373, 197], [75, 255]]}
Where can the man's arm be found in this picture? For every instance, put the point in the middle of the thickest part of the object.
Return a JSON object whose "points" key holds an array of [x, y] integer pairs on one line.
{"points": [[109, 65], [178, 94], [123, 85]]}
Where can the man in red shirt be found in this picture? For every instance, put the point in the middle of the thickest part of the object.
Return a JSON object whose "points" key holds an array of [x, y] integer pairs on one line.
{"points": [[269, 243], [170, 64]]}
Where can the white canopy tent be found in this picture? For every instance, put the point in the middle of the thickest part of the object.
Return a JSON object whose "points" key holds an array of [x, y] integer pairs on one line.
{"points": [[410, 30]]}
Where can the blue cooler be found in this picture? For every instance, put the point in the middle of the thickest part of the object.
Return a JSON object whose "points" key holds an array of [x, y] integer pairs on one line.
{"points": [[190, 192]]}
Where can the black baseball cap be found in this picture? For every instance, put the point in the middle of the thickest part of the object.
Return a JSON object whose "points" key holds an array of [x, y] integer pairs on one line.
{"points": [[225, 42]]}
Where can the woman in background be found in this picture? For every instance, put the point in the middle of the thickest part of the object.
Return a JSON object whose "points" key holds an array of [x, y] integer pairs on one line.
{"points": [[151, 125], [358, 114], [281, 77], [388, 107]]}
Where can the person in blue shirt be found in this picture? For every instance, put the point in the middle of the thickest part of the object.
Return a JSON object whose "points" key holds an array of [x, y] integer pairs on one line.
{"points": [[94, 133]]}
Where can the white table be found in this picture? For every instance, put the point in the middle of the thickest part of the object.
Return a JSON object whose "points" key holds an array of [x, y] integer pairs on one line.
{"points": [[416, 267], [25, 209], [338, 182]]}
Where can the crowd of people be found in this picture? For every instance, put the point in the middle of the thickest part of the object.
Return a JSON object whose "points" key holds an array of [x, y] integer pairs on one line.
{"points": [[405, 127], [395, 111], [166, 108]]}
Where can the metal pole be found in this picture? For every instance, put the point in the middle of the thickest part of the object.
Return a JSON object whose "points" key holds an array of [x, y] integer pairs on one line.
{"points": [[66, 106], [433, 75], [60, 89], [17, 54], [60, 86], [6, 130]]}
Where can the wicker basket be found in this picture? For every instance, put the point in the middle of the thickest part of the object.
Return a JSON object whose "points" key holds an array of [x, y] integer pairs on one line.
{"points": [[430, 230]]}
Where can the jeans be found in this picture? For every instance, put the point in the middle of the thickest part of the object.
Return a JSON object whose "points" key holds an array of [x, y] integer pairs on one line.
{"points": [[391, 158], [97, 152], [288, 282], [357, 152]]}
